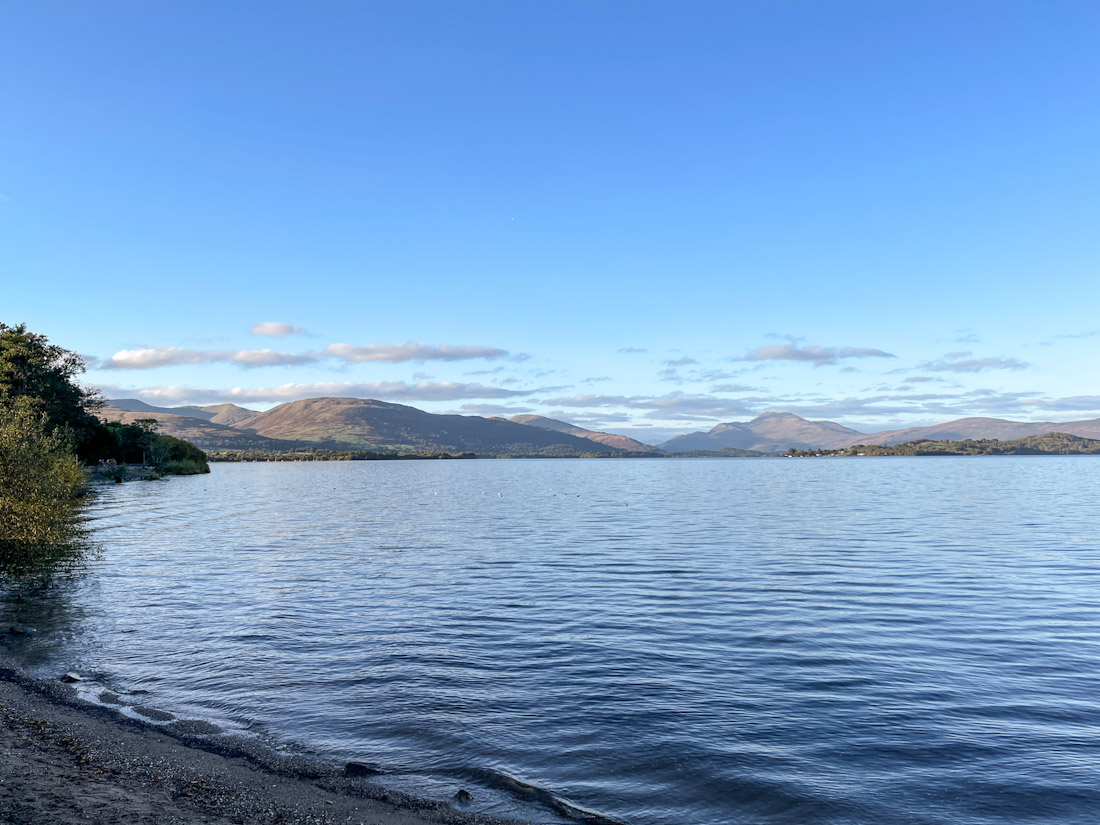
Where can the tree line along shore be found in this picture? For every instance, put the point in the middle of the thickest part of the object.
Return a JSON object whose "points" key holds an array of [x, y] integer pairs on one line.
{"points": [[1045, 444], [52, 441]]}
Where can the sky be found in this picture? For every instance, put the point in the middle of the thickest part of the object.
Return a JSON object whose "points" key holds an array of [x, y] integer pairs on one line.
{"points": [[645, 217]]}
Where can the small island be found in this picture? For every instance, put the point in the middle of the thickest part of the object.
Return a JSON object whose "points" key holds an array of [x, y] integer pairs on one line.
{"points": [[1045, 444]]}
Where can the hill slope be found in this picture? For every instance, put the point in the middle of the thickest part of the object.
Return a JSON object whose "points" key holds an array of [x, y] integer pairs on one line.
{"points": [[206, 435], [778, 432], [368, 423], [1045, 444], [979, 428], [227, 414], [770, 432], [621, 442]]}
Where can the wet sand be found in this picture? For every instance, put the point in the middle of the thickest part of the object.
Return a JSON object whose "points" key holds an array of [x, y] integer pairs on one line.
{"points": [[65, 761]]}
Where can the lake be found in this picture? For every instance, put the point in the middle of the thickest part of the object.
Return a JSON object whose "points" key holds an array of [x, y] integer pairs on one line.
{"points": [[869, 641]]}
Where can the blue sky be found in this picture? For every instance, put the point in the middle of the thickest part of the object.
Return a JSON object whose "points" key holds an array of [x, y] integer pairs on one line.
{"points": [[646, 217]]}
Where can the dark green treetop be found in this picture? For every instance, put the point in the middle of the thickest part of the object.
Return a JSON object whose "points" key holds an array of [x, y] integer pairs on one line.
{"points": [[45, 374]]}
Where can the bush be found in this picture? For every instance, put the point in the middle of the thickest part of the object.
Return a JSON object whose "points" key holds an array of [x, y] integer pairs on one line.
{"points": [[41, 481], [185, 467], [178, 457]]}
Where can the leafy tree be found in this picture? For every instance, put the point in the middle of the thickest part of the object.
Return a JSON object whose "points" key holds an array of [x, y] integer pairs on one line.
{"points": [[40, 481], [45, 374]]}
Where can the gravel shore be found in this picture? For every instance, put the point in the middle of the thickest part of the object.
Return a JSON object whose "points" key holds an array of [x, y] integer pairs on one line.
{"points": [[66, 761]]}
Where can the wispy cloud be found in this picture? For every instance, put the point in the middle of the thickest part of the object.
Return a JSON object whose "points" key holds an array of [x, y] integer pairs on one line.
{"points": [[395, 390], [811, 353], [632, 350], [492, 371], [490, 410], [411, 351], [273, 329], [680, 362], [673, 406], [962, 362], [1073, 402], [152, 357], [592, 401]]}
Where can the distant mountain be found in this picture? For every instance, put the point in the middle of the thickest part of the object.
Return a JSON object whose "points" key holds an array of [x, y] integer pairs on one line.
{"points": [[360, 423], [769, 432], [366, 423], [1045, 444], [978, 428], [228, 414], [778, 432], [204, 434], [133, 405], [621, 442]]}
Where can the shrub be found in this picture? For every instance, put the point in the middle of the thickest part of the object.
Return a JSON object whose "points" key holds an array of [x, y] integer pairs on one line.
{"points": [[179, 457], [184, 467], [41, 481]]}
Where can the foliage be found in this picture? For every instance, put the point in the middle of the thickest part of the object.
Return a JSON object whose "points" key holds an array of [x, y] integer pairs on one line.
{"points": [[44, 374], [1046, 444], [185, 467], [40, 483], [139, 443], [324, 454], [175, 456], [319, 454]]}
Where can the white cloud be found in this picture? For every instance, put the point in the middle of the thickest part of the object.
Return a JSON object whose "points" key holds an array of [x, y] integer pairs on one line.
{"points": [[411, 351], [398, 390], [493, 410], [273, 329], [811, 353], [673, 406], [959, 362], [151, 357]]}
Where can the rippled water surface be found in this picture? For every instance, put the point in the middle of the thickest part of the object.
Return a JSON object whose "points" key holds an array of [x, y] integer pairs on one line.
{"points": [[658, 640]]}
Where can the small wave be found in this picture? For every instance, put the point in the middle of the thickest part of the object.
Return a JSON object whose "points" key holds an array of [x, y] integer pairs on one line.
{"points": [[527, 792]]}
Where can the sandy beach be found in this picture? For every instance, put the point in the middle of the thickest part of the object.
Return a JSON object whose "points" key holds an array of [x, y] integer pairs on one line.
{"points": [[66, 761]]}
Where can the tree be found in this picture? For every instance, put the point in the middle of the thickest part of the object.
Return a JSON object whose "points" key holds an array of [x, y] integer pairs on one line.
{"points": [[40, 482], [45, 374]]}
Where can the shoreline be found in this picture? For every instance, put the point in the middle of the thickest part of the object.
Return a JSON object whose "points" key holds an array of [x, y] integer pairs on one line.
{"points": [[70, 761]]}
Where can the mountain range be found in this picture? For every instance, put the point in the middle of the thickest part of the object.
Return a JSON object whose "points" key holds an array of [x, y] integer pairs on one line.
{"points": [[620, 442], [359, 423], [777, 432]]}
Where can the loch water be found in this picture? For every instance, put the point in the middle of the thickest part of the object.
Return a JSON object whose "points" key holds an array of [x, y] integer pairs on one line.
{"points": [[912, 641]]}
